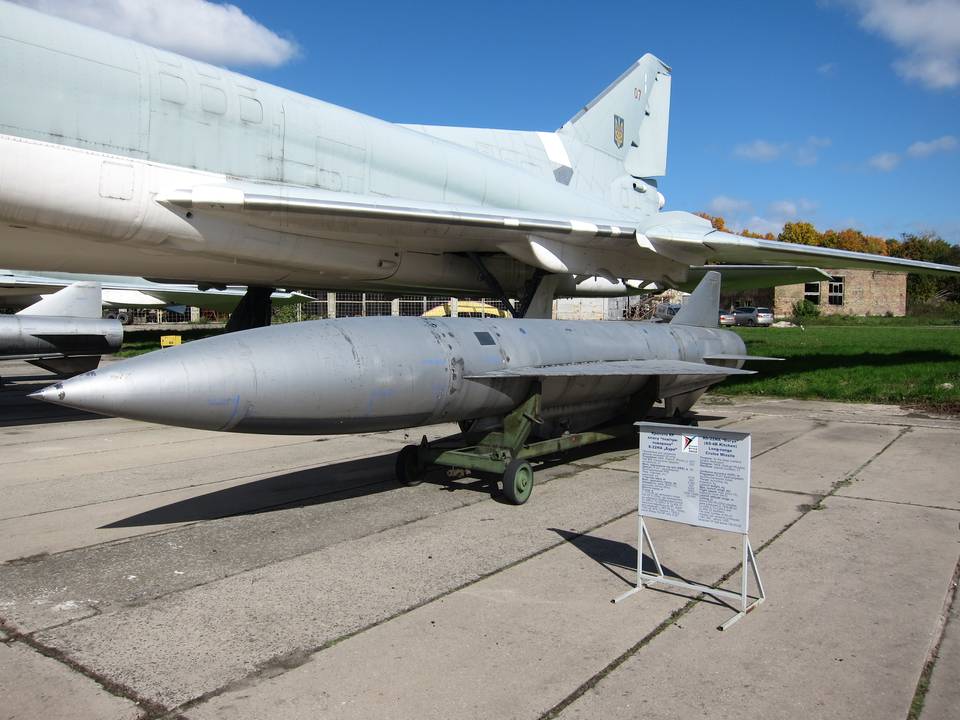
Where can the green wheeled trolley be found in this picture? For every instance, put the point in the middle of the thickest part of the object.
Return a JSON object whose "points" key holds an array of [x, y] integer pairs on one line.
{"points": [[504, 451]]}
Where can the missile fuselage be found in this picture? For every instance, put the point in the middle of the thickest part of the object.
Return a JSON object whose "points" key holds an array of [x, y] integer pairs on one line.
{"points": [[368, 374], [37, 336]]}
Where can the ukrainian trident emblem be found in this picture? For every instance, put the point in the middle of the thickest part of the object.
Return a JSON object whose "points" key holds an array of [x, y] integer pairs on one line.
{"points": [[618, 130]]}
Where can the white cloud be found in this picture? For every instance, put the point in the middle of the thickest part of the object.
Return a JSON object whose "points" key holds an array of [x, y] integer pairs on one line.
{"points": [[827, 68], [210, 31], [924, 148], [784, 208], [927, 30], [759, 150], [740, 215], [802, 153], [885, 162], [728, 206], [807, 153], [761, 225]]}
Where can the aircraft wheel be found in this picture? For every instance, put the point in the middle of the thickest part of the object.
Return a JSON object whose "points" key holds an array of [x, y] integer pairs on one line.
{"points": [[409, 471], [518, 481]]}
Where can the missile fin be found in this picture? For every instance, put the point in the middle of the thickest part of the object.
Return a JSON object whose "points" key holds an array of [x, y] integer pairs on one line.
{"points": [[702, 307], [612, 367]]}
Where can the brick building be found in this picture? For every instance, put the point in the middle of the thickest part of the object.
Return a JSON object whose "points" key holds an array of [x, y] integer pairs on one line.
{"points": [[850, 292]]}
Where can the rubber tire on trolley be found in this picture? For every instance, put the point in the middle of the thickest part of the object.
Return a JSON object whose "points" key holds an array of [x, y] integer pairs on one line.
{"points": [[518, 481], [408, 468]]}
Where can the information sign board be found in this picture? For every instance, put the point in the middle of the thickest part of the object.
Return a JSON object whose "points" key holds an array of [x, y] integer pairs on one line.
{"points": [[698, 477], [695, 476]]}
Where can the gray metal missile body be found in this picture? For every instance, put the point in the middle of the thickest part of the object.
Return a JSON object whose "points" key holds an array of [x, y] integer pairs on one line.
{"points": [[508, 380], [27, 337], [368, 374], [63, 332]]}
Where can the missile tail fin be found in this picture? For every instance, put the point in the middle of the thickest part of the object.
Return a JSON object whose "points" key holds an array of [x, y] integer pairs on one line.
{"points": [[82, 299], [702, 308]]}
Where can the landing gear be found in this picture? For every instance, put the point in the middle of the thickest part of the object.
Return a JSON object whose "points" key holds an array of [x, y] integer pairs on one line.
{"points": [[537, 298], [253, 310], [518, 481]]}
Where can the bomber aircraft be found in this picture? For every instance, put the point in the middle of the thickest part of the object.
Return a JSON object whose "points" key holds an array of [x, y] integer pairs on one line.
{"points": [[120, 158]]}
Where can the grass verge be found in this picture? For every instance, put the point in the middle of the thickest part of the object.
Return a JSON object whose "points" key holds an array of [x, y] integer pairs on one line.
{"points": [[916, 366]]}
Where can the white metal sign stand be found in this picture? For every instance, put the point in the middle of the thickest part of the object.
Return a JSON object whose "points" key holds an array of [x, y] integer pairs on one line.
{"points": [[697, 477]]}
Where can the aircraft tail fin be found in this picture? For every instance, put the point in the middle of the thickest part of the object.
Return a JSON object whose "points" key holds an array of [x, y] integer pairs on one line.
{"points": [[629, 120], [702, 308], [82, 299]]}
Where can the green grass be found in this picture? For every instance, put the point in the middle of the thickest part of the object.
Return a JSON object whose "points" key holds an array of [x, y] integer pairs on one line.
{"points": [[138, 342], [879, 321], [899, 365]]}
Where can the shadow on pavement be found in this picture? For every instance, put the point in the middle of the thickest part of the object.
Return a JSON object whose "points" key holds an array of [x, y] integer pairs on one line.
{"points": [[615, 556], [17, 409], [340, 481]]}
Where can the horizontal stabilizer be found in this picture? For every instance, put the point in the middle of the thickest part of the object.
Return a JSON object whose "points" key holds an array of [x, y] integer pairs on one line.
{"points": [[611, 367], [80, 300]]}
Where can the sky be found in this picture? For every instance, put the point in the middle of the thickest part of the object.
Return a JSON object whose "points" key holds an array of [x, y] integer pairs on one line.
{"points": [[845, 113]]}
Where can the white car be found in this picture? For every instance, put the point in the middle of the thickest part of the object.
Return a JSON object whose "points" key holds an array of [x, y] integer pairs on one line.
{"points": [[753, 316]]}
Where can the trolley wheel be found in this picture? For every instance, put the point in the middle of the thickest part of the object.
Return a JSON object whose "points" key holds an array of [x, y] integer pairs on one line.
{"points": [[518, 481], [409, 471]]}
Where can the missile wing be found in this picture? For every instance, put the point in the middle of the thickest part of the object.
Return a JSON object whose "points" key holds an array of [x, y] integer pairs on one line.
{"points": [[613, 368]]}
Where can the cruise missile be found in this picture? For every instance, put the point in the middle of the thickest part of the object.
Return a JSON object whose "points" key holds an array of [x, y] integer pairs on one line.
{"points": [[63, 332], [381, 373], [370, 374]]}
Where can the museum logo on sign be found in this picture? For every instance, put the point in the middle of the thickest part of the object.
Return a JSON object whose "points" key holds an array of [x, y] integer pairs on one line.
{"points": [[690, 444]]}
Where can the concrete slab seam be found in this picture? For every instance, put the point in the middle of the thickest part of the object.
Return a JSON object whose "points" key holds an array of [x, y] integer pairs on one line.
{"points": [[40, 556], [150, 709], [902, 502], [177, 442], [555, 711], [303, 655], [933, 653], [818, 425]]}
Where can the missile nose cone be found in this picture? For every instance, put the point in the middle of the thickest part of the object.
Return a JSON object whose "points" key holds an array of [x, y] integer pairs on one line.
{"points": [[76, 392], [183, 386], [51, 393]]}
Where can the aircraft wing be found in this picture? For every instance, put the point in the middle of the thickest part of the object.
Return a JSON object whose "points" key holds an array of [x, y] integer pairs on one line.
{"points": [[415, 216], [670, 245], [133, 292], [748, 277], [686, 235], [612, 367]]}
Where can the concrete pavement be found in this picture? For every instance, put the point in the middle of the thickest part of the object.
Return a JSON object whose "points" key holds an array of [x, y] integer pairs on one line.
{"points": [[156, 572]]}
